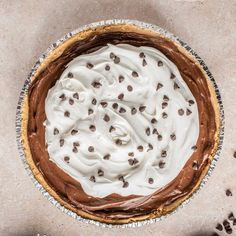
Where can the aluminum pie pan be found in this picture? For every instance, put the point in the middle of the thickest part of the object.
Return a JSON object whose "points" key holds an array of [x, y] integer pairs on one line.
{"points": [[27, 84]]}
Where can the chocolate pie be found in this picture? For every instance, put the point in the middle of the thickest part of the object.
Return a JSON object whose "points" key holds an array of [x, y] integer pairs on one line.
{"points": [[121, 124]]}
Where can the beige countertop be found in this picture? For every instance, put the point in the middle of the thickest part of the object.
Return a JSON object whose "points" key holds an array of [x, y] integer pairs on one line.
{"points": [[27, 27]]}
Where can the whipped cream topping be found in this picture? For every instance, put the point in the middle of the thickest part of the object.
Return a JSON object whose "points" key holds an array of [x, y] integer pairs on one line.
{"points": [[121, 120]]}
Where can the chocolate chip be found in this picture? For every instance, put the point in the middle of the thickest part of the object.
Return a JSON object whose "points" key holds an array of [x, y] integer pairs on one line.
{"points": [[194, 148], [106, 118], [191, 102], [159, 85], [112, 129], [118, 142], [150, 147], [131, 161], [66, 159], [219, 227], [159, 137], [62, 141], [90, 111], [134, 74], [141, 55], [234, 222], [96, 84], [162, 164], [228, 193], [92, 128], [112, 55], [234, 154], [75, 150], [121, 96], [148, 131], [94, 101], [133, 111], [100, 173], [180, 112], [150, 180], [116, 60], [231, 216], [164, 115], [142, 108], [226, 223], [76, 95], [76, 144], [74, 131], [121, 178], [172, 76], [115, 106], [153, 121], [70, 75], [125, 184], [164, 105], [160, 63], [63, 97], [229, 230], [121, 78], [173, 137], [129, 88], [104, 104], [92, 178], [140, 148], [163, 153], [67, 114], [215, 234], [166, 98], [107, 67], [195, 165], [154, 131], [71, 101], [89, 65], [176, 86], [91, 149], [144, 62], [131, 154], [135, 161], [122, 110], [107, 157], [188, 112], [55, 131]]}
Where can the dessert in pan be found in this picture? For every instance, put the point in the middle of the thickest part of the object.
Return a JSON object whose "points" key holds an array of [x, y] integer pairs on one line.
{"points": [[121, 124]]}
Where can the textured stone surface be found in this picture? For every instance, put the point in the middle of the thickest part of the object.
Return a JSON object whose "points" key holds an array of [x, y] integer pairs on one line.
{"points": [[27, 27]]}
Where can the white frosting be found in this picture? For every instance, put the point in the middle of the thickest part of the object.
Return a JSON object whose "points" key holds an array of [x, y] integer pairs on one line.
{"points": [[129, 128]]}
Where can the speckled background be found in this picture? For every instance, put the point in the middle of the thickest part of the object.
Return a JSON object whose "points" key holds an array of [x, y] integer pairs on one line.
{"points": [[27, 27]]}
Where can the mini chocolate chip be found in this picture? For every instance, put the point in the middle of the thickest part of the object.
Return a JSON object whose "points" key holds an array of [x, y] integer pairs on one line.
{"points": [[94, 101], [195, 165], [160, 63], [131, 161], [75, 150], [164, 115], [121, 96], [100, 173], [234, 154], [164, 105], [104, 104], [215, 234], [96, 84], [228, 193], [162, 164], [115, 106], [159, 137], [112, 55], [153, 121], [118, 142], [116, 60], [219, 227], [194, 147], [180, 112], [148, 131], [92, 178], [121, 78], [150, 147], [135, 161], [66, 159], [76, 95], [121, 178], [231, 216], [229, 230], [71, 101], [140, 148], [91, 149], [135, 74], [166, 98], [125, 184], [107, 157], [163, 153], [131, 154], [129, 88], [74, 131], [62, 141], [107, 67], [89, 65], [159, 85], [191, 102], [67, 114], [92, 128], [141, 55], [70, 75], [176, 86], [150, 180], [154, 131], [142, 108], [106, 118], [234, 222], [226, 223], [63, 97], [55, 131], [172, 76], [173, 137], [76, 144], [90, 111], [122, 110], [133, 110], [188, 112], [112, 129], [144, 62]]}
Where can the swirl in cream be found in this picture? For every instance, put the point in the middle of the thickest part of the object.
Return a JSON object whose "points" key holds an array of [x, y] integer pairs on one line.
{"points": [[121, 120]]}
